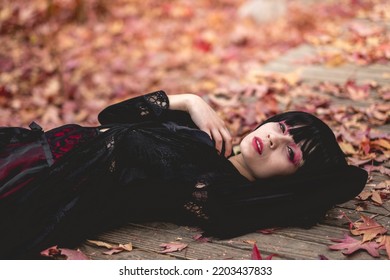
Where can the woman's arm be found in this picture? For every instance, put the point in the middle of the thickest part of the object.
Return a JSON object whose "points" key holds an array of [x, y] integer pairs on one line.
{"points": [[147, 107], [154, 106], [205, 118]]}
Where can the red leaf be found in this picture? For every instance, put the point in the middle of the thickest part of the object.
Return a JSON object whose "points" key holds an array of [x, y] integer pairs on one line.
{"points": [[61, 253], [113, 251], [257, 256], [351, 245], [256, 253], [357, 92], [199, 237], [267, 230]]}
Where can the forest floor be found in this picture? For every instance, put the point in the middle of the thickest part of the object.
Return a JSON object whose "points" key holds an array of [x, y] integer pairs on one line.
{"points": [[63, 63]]}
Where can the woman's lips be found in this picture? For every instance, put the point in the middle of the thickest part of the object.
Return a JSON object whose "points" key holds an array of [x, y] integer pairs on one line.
{"points": [[257, 145]]}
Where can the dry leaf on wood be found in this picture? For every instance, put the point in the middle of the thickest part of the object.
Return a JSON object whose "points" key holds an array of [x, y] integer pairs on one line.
{"points": [[199, 237], [100, 243], [257, 256], [63, 253], [351, 245], [368, 227], [173, 247], [113, 249], [384, 243]]}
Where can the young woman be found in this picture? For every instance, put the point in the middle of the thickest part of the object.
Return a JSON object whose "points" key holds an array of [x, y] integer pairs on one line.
{"points": [[159, 157]]}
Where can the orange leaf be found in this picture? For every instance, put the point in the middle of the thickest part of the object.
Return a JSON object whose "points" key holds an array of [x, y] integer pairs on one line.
{"points": [[369, 228], [385, 244]]}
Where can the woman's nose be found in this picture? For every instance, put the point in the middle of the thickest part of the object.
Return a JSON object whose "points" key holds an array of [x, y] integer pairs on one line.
{"points": [[276, 140]]}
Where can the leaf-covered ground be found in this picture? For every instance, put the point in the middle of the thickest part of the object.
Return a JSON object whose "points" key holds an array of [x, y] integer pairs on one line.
{"points": [[62, 61]]}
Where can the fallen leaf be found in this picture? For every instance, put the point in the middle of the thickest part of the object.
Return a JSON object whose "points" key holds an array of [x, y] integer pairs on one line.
{"points": [[368, 227], [267, 230], [384, 243], [257, 256], [347, 148], [251, 242], [173, 247], [63, 253], [256, 253], [100, 244], [114, 249], [351, 245], [376, 197], [322, 257], [364, 195], [382, 169], [199, 237]]}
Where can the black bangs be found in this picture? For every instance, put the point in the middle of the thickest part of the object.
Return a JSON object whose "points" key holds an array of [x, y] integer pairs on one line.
{"points": [[317, 141]]}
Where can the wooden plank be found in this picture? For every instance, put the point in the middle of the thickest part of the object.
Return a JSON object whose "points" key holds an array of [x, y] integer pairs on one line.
{"points": [[148, 238], [96, 253], [287, 243], [320, 73]]}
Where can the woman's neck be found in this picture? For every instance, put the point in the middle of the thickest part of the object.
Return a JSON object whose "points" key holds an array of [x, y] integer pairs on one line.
{"points": [[239, 163]]}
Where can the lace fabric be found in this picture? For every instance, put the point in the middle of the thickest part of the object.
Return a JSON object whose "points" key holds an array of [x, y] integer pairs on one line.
{"points": [[158, 101], [148, 107], [64, 139]]}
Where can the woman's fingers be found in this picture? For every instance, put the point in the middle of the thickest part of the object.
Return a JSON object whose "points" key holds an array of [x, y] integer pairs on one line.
{"points": [[216, 134], [222, 137], [228, 142]]}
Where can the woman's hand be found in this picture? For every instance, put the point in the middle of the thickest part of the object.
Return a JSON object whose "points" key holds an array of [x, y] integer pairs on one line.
{"points": [[205, 118]]}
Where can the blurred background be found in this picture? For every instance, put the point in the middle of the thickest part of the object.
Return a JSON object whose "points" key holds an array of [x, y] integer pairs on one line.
{"points": [[62, 61]]}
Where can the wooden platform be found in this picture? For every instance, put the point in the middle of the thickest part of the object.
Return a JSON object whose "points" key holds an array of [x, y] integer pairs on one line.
{"points": [[287, 243]]}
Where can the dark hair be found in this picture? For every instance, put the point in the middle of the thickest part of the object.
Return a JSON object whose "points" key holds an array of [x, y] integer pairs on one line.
{"points": [[318, 142]]}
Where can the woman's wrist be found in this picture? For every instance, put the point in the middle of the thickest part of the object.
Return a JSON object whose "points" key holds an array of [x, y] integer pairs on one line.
{"points": [[181, 102]]}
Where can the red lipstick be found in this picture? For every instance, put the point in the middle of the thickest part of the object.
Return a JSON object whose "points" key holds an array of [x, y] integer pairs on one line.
{"points": [[257, 145]]}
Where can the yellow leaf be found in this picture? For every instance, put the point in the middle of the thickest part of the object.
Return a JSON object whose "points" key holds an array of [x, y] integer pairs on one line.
{"points": [[128, 247], [364, 195], [382, 143], [376, 197], [101, 244], [347, 148]]}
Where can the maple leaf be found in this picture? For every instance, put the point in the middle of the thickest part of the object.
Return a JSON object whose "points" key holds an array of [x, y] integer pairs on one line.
{"points": [[113, 248], [173, 247], [257, 256], [357, 92], [100, 243], [382, 169], [199, 237], [368, 227], [63, 253], [322, 257], [384, 243], [351, 245], [373, 194], [256, 253]]}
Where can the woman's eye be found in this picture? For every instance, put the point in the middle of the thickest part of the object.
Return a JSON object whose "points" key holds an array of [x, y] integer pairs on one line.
{"points": [[282, 127], [291, 154]]}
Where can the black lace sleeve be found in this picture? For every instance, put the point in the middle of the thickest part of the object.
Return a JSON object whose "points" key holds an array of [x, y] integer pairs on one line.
{"points": [[147, 107]]}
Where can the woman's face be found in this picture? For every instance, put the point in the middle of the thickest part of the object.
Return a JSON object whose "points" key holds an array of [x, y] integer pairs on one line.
{"points": [[270, 151]]}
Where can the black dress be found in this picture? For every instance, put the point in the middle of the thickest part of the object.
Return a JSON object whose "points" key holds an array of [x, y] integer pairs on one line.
{"points": [[152, 163]]}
